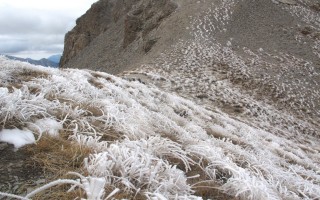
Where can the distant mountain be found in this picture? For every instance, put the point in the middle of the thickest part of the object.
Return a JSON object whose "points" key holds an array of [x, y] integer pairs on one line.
{"points": [[44, 62], [55, 58]]}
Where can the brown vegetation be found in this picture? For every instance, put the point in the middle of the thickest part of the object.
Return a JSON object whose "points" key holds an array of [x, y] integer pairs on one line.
{"points": [[56, 157]]}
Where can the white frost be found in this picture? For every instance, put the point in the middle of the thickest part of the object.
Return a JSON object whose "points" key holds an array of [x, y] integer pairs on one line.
{"points": [[47, 125], [146, 140]]}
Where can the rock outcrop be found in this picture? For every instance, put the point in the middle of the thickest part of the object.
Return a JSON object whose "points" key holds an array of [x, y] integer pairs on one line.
{"points": [[89, 26], [119, 23]]}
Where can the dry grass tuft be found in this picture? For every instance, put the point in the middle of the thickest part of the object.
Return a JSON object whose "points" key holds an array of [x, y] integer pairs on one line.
{"points": [[28, 75], [112, 135], [203, 185], [208, 191], [12, 124], [16, 79], [96, 83], [59, 192], [56, 157]]}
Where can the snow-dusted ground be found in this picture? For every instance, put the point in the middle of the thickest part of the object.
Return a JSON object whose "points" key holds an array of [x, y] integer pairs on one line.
{"points": [[159, 137]]}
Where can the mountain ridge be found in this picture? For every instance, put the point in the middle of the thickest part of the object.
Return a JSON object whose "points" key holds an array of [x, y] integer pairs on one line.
{"points": [[46, 62], [55, 58]]}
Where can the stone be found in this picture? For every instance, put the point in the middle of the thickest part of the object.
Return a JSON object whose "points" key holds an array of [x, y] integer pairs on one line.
{"points": [[149, 44], [290, 2], [3, 145]]}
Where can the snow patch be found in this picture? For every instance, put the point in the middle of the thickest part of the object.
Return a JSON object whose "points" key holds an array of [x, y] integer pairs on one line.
{"points": [[47, 125], [17, 137]]}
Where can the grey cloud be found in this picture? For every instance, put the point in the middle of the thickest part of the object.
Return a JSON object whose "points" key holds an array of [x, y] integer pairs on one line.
{"points": [[29, 42], [26, 30], [28, 22], [12, 46]]}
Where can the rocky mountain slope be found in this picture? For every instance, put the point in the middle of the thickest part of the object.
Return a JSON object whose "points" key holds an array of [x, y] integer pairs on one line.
{"points": [[266, 50]]}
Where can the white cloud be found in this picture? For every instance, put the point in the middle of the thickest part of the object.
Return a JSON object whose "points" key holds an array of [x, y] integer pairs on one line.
{"points": [[34, 25], [73, 6]]}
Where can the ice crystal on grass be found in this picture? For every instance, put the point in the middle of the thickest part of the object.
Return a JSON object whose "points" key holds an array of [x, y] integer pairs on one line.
{"points": [[129, 166], [46, 125]]}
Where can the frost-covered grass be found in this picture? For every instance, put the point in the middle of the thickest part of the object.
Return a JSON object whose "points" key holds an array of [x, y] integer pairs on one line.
{"points": [[147, 141]]}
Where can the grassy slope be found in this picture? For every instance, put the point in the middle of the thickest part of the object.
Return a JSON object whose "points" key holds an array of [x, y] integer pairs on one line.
{"points": [[151, 143]]}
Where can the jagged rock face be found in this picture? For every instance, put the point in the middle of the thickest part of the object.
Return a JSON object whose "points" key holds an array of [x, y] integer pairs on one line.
{"points": [[135, 19], [88, 27], [144, 18]]}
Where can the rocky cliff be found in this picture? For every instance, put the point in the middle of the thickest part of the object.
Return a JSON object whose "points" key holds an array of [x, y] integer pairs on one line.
{"points": [[108, 29]]}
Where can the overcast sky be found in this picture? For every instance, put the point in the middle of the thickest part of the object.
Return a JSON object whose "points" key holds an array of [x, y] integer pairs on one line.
{"points": [[36, 28]]}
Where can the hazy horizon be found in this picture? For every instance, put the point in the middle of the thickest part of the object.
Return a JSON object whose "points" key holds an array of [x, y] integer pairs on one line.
{"points": [[34, 56]]}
